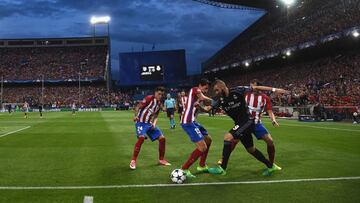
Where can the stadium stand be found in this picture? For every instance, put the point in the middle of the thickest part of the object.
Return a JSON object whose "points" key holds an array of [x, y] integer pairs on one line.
{"points": [[276, 32], [331, 78], [54, 63], [332, 81], [47, 72], [310, 48]]}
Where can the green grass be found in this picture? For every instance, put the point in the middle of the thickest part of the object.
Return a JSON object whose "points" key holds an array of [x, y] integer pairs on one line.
{"points": [[94, 148]]}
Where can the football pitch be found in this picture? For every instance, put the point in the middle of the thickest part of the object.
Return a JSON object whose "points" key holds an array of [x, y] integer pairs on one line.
{"points": [[62, 158]]}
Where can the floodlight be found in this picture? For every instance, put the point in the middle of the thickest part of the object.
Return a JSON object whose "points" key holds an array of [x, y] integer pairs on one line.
{"points": [[100, 20], [288, 2], [355, 33]]}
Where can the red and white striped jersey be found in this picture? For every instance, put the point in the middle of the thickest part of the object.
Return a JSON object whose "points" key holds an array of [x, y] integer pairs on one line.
{"points": [[183, 100], [148, 107], [188, 114], [257, 103]]}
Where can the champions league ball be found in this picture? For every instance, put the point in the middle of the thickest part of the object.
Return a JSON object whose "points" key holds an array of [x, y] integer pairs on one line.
{"points": [[178, 176], [355, 114]]}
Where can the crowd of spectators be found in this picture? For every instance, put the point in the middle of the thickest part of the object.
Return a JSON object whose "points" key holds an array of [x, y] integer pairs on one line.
{"points": [[331, 81], [64, 96], [53, 63], [304, 23], [63, 63]]}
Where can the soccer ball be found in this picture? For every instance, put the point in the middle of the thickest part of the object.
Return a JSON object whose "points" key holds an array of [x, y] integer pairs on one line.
{"points": [[178, 176], [355, 114]]}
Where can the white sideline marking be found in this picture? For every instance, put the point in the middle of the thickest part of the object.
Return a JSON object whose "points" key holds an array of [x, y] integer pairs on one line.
{"points": [[15, 131], [311, 126], [320, 127], [175, 185]]}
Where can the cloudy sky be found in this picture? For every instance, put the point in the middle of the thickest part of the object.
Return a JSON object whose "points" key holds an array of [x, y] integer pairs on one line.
{"points": [[198, 28]]}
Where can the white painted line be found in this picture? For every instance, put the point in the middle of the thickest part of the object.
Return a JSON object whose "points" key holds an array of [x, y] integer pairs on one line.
{"points": [[320, 127], [176, 185], [311, 126], [15, 131]]}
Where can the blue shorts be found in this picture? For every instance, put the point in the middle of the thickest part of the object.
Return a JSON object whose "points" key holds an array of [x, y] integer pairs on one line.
{"points": [[195, 131], [143, 129], [260, 131]]}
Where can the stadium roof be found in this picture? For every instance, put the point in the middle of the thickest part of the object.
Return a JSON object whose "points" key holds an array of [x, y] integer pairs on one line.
{"points": [[63, 41], [263, 4]]}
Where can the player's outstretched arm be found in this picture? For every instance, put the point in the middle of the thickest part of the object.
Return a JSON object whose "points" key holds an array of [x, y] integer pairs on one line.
{"points": [[136, 111], [202, 97], [273, 89], [273, 119], [204, 108], [154, 121]]}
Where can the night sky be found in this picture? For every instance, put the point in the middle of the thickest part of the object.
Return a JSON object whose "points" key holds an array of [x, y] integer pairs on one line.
{"points": [[169, 24]]}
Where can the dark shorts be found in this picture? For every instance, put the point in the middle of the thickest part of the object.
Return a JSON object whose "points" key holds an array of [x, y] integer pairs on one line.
{"points": [[180, 110], [170, 112], [243, 132]]}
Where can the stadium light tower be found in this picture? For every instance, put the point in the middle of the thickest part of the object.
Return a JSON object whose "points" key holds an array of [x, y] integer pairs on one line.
{"points": [[96, 20]]}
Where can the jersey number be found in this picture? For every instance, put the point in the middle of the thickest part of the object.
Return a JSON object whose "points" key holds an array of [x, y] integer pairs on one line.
{"points": [[236, 127], [139, 129], [198, 132]]}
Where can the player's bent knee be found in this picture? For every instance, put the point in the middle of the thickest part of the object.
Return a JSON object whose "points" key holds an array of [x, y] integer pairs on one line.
{"points": [[270, 143], [228, 137], [268, 136], [201, 145], [203, 148], [208, 140], [268, 139]]}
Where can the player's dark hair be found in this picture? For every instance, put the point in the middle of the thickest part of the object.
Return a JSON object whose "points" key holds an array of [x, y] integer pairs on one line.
{"points": [[160, 89], [204, 82], [256, 82]]}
